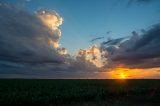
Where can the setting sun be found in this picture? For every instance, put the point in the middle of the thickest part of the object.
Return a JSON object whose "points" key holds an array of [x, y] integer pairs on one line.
{"points": [[122, 76], [120, 73]]}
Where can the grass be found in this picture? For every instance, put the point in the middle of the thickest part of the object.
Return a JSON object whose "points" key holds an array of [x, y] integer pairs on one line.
{"points": [[34, 92]]}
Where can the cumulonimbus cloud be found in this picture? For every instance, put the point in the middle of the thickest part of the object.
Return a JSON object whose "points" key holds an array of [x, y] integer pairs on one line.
{"points": [[29, 46], [24, 37]]}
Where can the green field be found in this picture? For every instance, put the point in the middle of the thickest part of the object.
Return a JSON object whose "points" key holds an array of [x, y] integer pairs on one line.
{"points": [[79, 92]]}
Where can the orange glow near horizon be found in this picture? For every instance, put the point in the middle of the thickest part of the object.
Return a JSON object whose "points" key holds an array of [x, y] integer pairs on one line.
{"points": [[127, 73], [120, 73]]}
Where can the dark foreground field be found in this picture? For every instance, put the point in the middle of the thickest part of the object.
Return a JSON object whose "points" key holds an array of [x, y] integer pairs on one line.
{"points": [[79, 92]]}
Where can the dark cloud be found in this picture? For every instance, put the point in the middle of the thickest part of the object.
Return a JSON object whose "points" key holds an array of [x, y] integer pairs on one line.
{"points": [[23, 37], [29, 46], [140, 51]]}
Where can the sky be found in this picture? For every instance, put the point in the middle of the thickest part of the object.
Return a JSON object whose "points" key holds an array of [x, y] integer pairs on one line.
{"points": [[87, 19], [79, 38]]}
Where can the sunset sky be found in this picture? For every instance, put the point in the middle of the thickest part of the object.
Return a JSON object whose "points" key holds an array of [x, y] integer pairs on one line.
{"points": [[80, 39]]}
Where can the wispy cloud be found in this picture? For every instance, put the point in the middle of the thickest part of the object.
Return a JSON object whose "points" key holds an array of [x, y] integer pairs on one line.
{"points": [[130, 2]]}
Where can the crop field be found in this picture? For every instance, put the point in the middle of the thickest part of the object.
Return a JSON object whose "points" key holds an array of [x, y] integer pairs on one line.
{"points": [[40, 92]]}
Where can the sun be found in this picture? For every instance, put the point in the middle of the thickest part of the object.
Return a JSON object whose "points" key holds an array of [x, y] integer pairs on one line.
{"points": [[120, 73], [122, 76]]}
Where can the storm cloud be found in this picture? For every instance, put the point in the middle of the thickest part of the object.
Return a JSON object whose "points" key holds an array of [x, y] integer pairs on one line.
{"points": [[139, 51], [24, 38], [29, 46]]}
